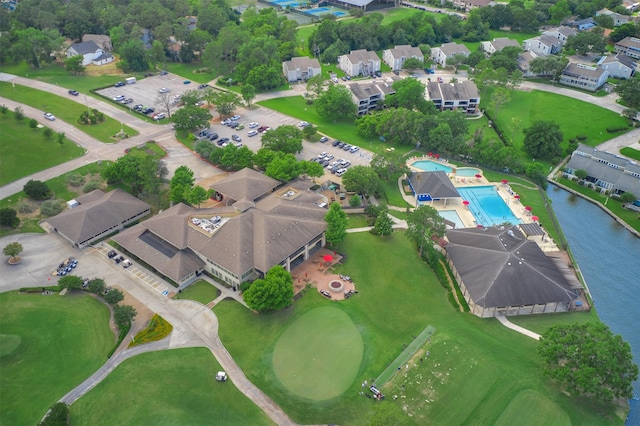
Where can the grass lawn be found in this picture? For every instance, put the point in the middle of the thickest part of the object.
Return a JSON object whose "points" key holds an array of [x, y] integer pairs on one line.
{"points": [[190, 71], [475, 370], [537, 105], [63, 109], [200, 291], [173, 387], [631, 153], [24, 151], [50, 344], [149, 148], [319, 355], [356, 220]]}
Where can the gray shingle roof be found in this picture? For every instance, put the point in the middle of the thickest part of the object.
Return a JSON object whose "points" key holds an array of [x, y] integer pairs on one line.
{"points": [[245, 186], [85, 47], [437, 184], [501, 270], [602, 165], [450, 49], [97, 213]]}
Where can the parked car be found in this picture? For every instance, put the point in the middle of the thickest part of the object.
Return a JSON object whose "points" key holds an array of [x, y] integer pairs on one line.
{"points": [[49, 116], [148, 110], [440, 80], [233, 124], [212, 136], [336, 142], [251, 133], [118, 259], [253, 125], [74, 92], [127, 101], [328, 157], [119, 98], [303, 124], [236, 138], [164, 72], [186, 82], [126, 263], [138, 107], [203, 133], [335, 80], [240, 126], [120, 84], [235, 118], [164, 90], [159, 116], [354, 149], [203, 86], [378, 74], [347, 147], [324, 139], [199, 103], [111, 254], [429, 71]]}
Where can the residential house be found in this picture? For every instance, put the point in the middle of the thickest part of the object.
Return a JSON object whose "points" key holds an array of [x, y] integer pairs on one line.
{"points": [[619, 65], [630, 46], [605, 170], [101, 40], [359, 62], [543, 45], [462, 96], [97, 215], [561, 33], [264, 223], [369, 96], [301, 68], [524, 64], [498, 44], [90, 52], [448, 50], [502, 273], [618, 18], [584, 77], [584, 24], [468, 5], [395, 57], [630, 5], [432, 186]]}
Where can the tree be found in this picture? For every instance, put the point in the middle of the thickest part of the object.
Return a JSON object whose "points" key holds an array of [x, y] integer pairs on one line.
{"points": [[361, 179], [629, 91], [272, 293], [142, 173], [36, 45], [336, 103], [410, 94], [627, 197], [58, 415], [74, 64], [70, 282], [388, 163], [589, 359], [123, 315], [383, 224], [60, 138], [190, 118], [197, 195], [542, 139], [499, 97], [181, 184], [336, 220], [156, 54], [191, 97], [286, 139], [133, 56], [13, 250], [630, 113], [313, 169], [9, 217], [166, 102], [412, 64], [315, 87], [226, 102], [284, 167], [114, 296], [37, 190], [19, 113], [588, 41], [96, 286], [424, 223], [248, 92]]}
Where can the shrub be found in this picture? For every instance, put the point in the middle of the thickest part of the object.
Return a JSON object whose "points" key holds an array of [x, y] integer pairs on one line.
{"points": [[19, 113], [581, 137], [75, 180], [3, 109], [33, 123], [616, 129], [37, 190], [245, 286], [58, 415], [158, 329], [24, 207], [48, 132], [51, 208], [355, 201], [9, 217], [91, 186], [114, 296]]}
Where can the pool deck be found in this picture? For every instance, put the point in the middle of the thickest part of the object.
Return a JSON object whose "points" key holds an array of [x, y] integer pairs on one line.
{"points": [[504, 190]]}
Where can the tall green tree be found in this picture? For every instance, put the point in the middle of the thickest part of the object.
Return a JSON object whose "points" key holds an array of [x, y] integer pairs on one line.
{"points": [[226, 102], [190, 118], [181, 184], [58, 415], [543, 139], [123, 315], [284, 167], [74, 64], [285, 138], [361, 179], [388, 163], [336, 220], [96, 286], [272, 293], [383, 224], [629, 91], [36, 46], [248, 92], [499, 97], [197, 195], [336, 104], [114, 296], [133, 57], [590, 360], [410, 94], [70, 282], [424, 223]]}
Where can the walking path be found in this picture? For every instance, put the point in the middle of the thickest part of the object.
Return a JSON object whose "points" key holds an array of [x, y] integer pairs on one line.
{"points": [[504, 321]]}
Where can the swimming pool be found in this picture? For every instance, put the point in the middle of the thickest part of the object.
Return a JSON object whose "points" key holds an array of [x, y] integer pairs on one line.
{"points": [[432, 166], [452, 216], [467, 172], [487, 206]]}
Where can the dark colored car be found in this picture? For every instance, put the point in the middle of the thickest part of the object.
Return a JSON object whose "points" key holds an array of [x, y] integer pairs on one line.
{"points": [[213, 136], [112, 254], [203, 86], [74, 92], [429, 71], [138, 107], [118, 259], [120, 84], [336, 142], [148, 110], [164, 72], [127, 101]]}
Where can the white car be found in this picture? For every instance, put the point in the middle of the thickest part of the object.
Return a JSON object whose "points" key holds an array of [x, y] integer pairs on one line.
{"points": [[119, 98], [354, 149], [159, 116], [164, 90], [49, 116], [251, 133], [303, 124], [253, 125]]}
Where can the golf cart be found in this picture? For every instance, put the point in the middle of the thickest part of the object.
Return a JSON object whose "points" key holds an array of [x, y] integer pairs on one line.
{"points": [[221, 376]]}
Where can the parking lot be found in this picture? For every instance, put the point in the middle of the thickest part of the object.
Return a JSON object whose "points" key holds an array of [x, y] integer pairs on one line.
{"points": [[146, 91]]}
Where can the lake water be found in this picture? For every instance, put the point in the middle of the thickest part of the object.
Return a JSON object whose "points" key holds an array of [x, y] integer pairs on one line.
{"points": [[609, 258]]}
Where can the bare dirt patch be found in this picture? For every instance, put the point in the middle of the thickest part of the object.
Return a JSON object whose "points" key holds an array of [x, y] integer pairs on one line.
{"points": [[144, 314]]}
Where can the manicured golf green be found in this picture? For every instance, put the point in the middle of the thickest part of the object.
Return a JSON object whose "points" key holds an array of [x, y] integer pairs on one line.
{"points": [[475, 371], [519, 412], [173, 387], [24, 151], [50, 344], [319, 355]]}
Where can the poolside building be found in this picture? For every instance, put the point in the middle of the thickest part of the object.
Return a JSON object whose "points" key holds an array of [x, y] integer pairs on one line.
{"points": [[501, 272], [264, 223], [432, 186]]}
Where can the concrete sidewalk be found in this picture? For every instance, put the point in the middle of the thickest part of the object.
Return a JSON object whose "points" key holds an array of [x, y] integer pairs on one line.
{"points": [[504, 321]]}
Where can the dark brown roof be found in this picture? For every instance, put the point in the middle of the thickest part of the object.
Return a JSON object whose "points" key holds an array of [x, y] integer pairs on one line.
{"points": [[245, 186], [500, 268]]}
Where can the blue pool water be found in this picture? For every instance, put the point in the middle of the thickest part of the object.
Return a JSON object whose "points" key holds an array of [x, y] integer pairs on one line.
{"points": [[432, 166], [452, 216], [467, 172], [323, 10], [487, 206]]}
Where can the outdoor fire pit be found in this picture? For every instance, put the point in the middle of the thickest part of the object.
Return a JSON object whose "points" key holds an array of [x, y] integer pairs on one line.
{"points": [[336, 286]]}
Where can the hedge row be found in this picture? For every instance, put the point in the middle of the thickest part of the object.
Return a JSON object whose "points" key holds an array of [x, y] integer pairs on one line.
{"points": [[52, 288]]}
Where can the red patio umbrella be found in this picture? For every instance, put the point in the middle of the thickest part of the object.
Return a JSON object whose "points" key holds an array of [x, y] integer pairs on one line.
{"points": [[527, 208], [327, 258], [504, 181], [437, 155], [535, 218], [429, 154], [517, 197], [478, 176]]}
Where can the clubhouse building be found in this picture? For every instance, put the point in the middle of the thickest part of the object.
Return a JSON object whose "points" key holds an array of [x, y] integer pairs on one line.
{"points": [[263, 223]]}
